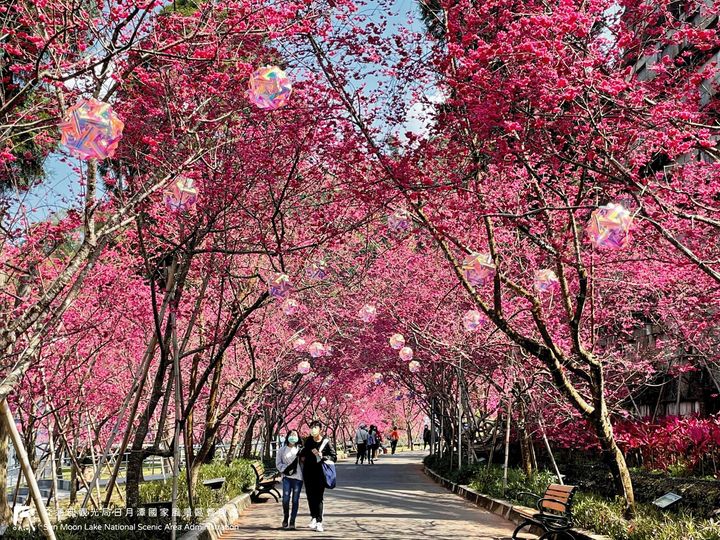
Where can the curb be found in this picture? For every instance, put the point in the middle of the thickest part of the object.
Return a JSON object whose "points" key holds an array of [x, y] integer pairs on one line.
{"points": [[505, 509], [220, 521]]}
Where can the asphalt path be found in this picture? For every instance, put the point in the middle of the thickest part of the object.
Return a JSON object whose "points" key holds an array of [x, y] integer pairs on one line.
{"points": [[392, 499]]}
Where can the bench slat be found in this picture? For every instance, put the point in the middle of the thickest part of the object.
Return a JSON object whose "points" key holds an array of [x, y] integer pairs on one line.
{"points": [[549, 505], [555, 508], [561, 487], [557, 495]]}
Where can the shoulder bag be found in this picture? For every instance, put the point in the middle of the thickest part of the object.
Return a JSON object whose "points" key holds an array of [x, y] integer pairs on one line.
{"points": [[328, 468]]}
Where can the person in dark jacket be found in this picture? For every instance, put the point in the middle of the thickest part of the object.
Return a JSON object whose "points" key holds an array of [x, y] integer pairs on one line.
{"points": [[372, 444], [427, 437], [317, 448]]}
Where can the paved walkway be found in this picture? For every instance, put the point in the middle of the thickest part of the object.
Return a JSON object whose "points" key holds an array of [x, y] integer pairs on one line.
{"points": [[392, 499]]}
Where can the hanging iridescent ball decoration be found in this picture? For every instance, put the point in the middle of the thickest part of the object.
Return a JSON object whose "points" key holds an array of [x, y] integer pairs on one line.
{"points": [[270, 88], [280, 286], [406, 354], [478, 268], [546, 281], [367, 313], [291, 306], [323, 401], [472, 320], [91, 130], [299, 344], [377, 378], [399, 220], [609, 227], [317, 270], [397, 341], [316, 349], [304, 367], [414, 366], [181, 194]]}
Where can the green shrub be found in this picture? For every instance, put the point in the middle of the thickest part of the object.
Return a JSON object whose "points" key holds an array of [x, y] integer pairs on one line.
{"points": [[442, 467], [239, 477], [12, 533], [490, 482]]}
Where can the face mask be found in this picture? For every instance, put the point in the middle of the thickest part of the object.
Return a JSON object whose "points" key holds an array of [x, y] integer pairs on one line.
{"points": [[292, 439], [315, 431]]}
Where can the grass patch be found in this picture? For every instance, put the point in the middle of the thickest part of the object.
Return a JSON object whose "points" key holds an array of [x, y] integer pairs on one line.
{"points": [[606, 517], [590, 511]]}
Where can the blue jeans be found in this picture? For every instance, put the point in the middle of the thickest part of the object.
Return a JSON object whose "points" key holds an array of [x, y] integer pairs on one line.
{"points": [[294, 486]]}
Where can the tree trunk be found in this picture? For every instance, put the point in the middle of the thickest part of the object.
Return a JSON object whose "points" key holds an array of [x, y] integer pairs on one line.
{"points": [[269, 437], [613, 456], [5, 513], [195, 473], [53, 469], [507, 444], [247, 439], [526, 451], [234, 439], [73, 483], [137, 452]]}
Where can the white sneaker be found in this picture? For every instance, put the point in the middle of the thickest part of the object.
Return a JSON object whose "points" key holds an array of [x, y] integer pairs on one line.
{"points": [[313, 523], [319, 527]]}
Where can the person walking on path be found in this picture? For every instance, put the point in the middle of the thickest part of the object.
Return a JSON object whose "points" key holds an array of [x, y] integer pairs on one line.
{"points": [[287, 462], [394, 438], [317, 448], [426, 437], [372, 444], [361, 436]]}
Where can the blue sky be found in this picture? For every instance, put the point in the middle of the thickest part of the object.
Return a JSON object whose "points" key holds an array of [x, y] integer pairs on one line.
{"points": [[57, 192]]}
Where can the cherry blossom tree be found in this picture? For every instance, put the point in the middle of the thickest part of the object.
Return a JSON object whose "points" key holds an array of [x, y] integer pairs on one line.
{"points": [[544, 119]]}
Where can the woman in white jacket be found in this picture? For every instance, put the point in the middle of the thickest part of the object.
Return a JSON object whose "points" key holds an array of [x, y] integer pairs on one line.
{"points": [[287, 463]]}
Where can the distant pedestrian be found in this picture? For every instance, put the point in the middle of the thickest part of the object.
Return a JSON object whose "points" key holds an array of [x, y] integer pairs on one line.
{"points": [[287, 462], [361, 437], [394, 438], [426, 437], [317, 448], [372, 444]]}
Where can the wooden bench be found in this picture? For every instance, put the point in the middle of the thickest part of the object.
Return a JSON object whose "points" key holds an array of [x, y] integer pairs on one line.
{"points": [[555, 512], [265, 481]]}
